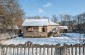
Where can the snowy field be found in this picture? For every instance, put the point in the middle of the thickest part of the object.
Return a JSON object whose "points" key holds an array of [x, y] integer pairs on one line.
{"points": [[76, 35], [72, 38]]}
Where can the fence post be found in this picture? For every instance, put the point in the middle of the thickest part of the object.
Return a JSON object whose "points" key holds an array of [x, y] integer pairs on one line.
{"points": [[13, 50], [57, 49], [20, 49], [32, 50], [28, 51], [47, 50], [66, 50], [6, 51], [71, 49], [2, 50], [52, 50], [44, 50], [24, 51], [17, 51], [83, 49], [62, 50], [36, 50], [79, 49], [29, 44], [10, 47], [40, 51], [10, 50], [76, 49]]}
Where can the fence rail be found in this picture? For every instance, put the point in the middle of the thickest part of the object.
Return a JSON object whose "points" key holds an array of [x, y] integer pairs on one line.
{"points": [[36, 49]]}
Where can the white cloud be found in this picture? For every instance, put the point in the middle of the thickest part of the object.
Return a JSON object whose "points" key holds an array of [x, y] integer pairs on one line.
{"points": [[47, 4], [40, 10]]}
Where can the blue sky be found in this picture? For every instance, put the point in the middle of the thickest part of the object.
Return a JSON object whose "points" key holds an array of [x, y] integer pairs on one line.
{"points": [[52, 7]]}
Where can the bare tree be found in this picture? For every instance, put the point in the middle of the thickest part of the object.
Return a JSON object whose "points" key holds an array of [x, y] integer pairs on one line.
{"points": [[67, 20], [13, 13], [54, 18]]}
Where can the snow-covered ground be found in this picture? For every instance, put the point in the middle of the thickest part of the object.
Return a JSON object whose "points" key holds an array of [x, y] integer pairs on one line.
{"points": [[71, 38], [51, 40], [76, 35]]}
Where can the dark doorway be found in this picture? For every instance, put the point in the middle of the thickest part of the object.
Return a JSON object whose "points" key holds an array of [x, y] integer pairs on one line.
{"points": [[43, 29]]}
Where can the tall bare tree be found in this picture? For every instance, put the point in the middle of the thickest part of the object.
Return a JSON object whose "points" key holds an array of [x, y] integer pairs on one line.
{"points": [[13, 13], [54, 18]]}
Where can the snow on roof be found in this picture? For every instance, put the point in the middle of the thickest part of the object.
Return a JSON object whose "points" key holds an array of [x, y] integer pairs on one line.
{"points": [[38, 22], [62, 27]]}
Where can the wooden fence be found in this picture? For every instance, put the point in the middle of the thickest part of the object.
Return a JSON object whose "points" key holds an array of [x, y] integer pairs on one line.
{"points": [[36, 49]]}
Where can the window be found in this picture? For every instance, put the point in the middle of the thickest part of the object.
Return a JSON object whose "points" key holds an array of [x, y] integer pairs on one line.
{"points": [[35, 29], [43, 29], [30, 29]]}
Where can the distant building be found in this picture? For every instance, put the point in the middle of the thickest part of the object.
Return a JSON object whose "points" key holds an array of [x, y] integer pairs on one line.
{"points": [[62, 29], [38, 27], [69, 24]]}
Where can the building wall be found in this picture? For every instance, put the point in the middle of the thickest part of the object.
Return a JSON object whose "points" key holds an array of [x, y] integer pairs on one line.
{"points": [[40, 32], [40, 29], [36, 34], [49, 28]]}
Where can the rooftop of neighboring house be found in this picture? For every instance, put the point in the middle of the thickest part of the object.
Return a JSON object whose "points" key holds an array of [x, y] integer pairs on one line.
{"points": [[62, 27], [38, 22]]}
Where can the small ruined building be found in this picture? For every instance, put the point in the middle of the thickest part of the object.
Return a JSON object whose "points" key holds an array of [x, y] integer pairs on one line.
{"points": [[58, 30], [62, 29], [38, 27]]}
